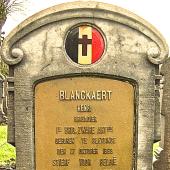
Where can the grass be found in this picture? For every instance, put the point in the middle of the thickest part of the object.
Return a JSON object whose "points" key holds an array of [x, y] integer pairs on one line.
{"points": [[7, 151], [155, 146]]}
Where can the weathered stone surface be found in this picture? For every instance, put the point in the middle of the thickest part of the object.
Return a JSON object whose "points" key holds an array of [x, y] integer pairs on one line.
{"points": [[166, 112], [3, 100], [159, 164], [133, 52]]}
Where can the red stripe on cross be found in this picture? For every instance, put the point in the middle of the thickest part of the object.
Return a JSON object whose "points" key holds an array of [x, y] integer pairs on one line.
{"points": [[97, 45]]}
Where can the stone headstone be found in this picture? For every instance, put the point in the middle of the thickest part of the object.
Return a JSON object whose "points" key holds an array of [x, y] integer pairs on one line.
{"points": [[82, 87], [165, 155], [1, 97], [3, 100]]}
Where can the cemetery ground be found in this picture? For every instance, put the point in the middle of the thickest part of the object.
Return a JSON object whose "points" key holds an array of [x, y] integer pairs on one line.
{"points": [[7, 151]]}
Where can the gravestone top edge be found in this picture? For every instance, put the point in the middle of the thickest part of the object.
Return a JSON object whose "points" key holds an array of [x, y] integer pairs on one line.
{"points": [[91, 10]]}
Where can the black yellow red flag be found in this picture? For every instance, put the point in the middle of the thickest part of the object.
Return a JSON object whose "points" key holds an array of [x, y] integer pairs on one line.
{"points": [[85, 45]]}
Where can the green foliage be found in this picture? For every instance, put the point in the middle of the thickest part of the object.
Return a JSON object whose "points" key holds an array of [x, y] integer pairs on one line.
{"points": [[155, 146], [7, 151], [2, 10], [8, 7], [4, 68]]}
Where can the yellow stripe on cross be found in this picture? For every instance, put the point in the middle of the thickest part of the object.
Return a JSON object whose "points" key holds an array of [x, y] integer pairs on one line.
{"points": [[85, 45]]}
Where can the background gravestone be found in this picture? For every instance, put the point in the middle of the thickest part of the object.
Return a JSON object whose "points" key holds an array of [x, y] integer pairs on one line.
{"points": [[3, 100], [164, 159], [1, 97], [39, 61]]}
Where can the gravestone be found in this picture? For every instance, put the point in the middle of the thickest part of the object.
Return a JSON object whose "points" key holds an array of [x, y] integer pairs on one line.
{"points": [[3, 100], [83, 87], [164, 157]]}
